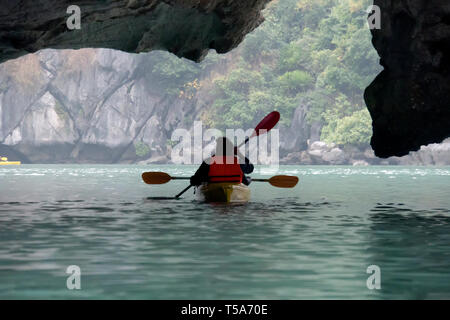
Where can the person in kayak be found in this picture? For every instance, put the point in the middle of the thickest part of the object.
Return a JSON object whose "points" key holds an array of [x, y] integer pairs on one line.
{"points": [[227, 165]]}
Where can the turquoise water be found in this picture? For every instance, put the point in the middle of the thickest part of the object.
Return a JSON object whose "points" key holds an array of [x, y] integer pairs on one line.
{"points": [[314, 241]]}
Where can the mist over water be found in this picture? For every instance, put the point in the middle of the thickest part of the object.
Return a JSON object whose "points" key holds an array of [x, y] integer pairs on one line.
{"points": [[314, 241]]}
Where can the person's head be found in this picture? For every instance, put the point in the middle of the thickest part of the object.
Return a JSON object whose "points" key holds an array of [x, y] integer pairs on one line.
{"points": [[224, 147]]}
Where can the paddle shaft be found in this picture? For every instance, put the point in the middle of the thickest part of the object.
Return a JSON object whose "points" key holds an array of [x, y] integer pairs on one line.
{"points": [[185, 189], [182, 192], [246, 140], [253, 180], [187, 178]]}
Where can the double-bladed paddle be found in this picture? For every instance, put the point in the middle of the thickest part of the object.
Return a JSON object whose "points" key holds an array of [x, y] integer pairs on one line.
{"points": [[281, 181]]}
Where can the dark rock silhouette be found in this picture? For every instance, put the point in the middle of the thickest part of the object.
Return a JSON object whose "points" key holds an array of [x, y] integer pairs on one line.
{"points": [[187, 28], [409, 101]]}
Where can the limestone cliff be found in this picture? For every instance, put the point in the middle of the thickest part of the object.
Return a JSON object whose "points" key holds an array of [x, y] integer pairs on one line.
{"points": [[87, 105], [106, 106]]}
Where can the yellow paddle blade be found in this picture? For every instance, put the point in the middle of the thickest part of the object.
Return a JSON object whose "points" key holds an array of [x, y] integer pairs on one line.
{"points": [[156, 177], [284, 181]]}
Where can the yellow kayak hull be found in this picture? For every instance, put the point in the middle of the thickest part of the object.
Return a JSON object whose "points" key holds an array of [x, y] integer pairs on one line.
{"points": [[224, 192], [6, 163]]}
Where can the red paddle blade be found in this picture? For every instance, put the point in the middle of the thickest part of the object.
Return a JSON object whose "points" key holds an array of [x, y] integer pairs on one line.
{"points": [[267, 123]]}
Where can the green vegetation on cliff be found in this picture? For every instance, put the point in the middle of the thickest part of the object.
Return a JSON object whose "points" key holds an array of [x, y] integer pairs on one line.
{"points": [[315, 53], [142, 149]]}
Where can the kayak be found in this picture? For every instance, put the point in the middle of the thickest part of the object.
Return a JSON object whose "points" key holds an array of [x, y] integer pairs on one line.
{"points": [[4, 161], [226, 192]]}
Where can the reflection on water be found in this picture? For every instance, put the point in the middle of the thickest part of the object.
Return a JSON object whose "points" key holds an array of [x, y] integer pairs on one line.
{"points": [[415, 259], [314, 241]]}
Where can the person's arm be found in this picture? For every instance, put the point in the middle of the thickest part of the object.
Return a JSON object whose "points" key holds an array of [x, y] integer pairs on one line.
{"points": [[247, 167], [201, 175]]}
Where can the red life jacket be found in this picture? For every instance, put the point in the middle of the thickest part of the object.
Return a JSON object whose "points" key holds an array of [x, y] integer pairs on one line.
{"points": [[221, 170]]}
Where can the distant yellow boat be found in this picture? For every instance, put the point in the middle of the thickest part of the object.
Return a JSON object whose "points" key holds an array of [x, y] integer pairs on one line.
{"points": [[4, 161]]}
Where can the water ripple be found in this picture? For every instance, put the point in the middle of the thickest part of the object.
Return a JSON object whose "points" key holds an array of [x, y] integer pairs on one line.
{"points": [[314, 241]]}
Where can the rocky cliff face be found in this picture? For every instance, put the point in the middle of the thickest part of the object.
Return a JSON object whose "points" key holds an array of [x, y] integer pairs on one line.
{"points": [[321, 153], [409, 100], [106, 106], [85, 106], [187, 28]]}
